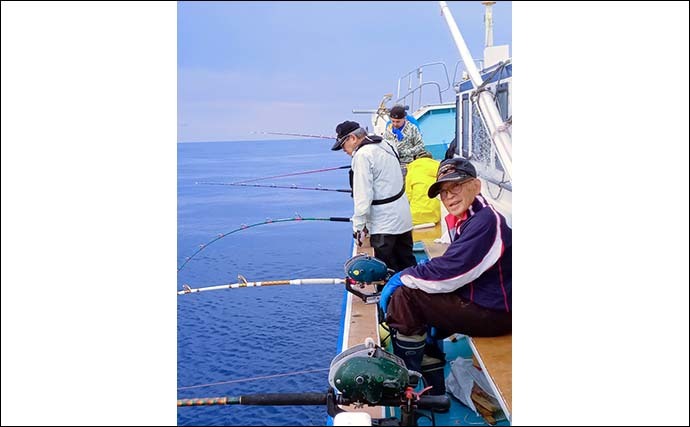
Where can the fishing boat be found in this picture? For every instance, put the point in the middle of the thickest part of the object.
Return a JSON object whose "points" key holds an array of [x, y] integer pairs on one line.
{"points": [[472, 107]]}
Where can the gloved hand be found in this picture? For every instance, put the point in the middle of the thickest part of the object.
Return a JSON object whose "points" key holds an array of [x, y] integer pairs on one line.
{"points": [[393, 283], [360, 235], [397, 132]]}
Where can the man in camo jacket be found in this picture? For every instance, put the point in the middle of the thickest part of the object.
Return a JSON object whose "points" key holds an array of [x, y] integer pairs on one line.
{"points": [[404, 135]]}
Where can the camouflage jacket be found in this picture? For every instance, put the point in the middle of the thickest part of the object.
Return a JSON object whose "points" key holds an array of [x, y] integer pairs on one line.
{"points": [[410, 145]]}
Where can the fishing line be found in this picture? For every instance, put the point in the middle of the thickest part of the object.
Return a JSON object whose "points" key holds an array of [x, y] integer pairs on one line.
{"points": [[268, 221], [264, 377]]}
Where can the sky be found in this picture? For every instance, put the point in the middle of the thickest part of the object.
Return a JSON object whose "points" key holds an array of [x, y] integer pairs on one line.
{"points": [[302, 67]]}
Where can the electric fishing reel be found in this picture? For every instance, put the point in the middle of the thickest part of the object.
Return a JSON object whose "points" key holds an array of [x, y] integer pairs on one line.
{"points": [[367, 374], [362, 270]]}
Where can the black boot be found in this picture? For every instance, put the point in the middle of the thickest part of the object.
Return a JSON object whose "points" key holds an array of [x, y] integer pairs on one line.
{"points": [[410, 349], [432, 371], [427, 359]]}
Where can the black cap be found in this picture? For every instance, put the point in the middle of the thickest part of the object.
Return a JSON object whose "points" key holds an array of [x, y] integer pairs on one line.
{"points": [[342, 130], [398, 112], [457, 169]]}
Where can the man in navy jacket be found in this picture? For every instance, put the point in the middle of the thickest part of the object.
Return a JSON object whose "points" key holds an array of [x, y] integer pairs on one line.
{"points": [[467, 290]]}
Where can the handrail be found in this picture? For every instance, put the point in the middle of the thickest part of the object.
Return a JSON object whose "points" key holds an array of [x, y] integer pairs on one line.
{"points": [[404, 98], [480, 65], [419, 72]]}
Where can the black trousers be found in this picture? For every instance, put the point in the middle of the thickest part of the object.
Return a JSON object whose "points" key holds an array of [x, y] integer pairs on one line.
{"points": [[394, 249], [411, 311]]}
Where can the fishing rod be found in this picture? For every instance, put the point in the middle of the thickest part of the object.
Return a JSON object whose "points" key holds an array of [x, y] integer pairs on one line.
{"points": [[364, 374], [243, 283], [361, 270], [289, 187], [284, 399], [297, 134], [291, 174], [268, 221]]}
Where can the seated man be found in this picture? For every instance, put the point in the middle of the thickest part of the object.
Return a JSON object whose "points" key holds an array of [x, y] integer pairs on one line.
{"points": [[467, 290]]}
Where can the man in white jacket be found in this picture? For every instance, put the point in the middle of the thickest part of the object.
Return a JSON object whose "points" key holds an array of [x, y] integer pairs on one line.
{"points": [[378, 190]]}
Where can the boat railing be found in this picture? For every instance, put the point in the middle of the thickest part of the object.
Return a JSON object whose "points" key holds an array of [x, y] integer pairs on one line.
{"points": [[403, 99], [479, 63], [414, 89]]}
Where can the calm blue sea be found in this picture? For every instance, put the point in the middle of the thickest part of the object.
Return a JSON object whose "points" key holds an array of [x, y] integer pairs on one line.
{"points": [[235, 334]]}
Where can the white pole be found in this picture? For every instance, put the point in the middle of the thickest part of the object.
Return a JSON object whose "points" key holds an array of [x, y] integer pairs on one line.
{"points": [[488, 24], [188, 290], [499, 132]]}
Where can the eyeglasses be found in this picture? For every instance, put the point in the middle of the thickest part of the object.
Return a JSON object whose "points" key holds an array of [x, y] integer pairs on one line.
{"points": [[455, 189]]}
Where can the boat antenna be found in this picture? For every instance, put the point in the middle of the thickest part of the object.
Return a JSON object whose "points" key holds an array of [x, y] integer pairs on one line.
{"points": [[488, 24]]}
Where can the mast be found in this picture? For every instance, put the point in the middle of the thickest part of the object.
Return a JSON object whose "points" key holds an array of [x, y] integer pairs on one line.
{"points": [[495, 125], [488, 24]]}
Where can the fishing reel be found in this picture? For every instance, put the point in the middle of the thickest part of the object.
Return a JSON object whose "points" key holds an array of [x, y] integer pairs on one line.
{"points": [[362, 270], [367, 374]]}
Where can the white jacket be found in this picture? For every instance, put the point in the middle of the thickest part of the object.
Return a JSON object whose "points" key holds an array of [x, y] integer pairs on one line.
{"points": [[377, 176]]}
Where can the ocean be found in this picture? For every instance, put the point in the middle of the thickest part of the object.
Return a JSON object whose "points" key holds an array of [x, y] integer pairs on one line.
{"points": [[233, 342]]}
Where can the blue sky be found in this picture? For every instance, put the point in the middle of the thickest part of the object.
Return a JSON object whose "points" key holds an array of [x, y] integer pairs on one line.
{"points": [[302, 67]]}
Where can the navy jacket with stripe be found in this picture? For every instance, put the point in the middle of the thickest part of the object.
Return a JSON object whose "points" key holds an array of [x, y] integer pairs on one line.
{"points": [[477, 264]]}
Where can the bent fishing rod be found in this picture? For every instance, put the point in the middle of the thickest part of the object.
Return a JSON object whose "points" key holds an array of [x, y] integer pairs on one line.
{"points": [[291, 174], [289, 187], [297, 218], [296, 134]]}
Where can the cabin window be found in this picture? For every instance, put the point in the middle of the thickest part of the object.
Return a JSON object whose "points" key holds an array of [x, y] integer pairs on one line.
{"points": [[465, 126]]}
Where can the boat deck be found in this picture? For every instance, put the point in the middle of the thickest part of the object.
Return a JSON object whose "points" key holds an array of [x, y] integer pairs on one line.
{"points": [[360, 321]]}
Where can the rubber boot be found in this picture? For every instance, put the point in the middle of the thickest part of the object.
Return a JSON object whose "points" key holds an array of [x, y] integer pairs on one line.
{"points": [[410, 349], [432, 371]]}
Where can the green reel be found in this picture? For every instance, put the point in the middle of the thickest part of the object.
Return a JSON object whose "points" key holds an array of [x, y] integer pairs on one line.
{"points": [[368, 374]]}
